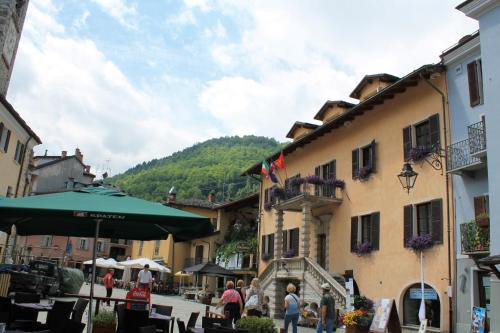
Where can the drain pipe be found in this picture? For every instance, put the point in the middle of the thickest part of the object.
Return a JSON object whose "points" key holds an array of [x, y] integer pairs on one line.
{"points": [[448, 228]]}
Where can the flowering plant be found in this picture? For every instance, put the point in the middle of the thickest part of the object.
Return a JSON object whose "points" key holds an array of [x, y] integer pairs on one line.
{"points": [[265, 257], [277, 192], [418, 153], [420, 242], [364, 172], [314, 179], [364, 248], [362, 315], [296, 181], [335, 182], [289, 253]]}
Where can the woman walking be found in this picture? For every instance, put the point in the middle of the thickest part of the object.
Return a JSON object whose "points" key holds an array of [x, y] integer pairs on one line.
{"points": [[292, 308], [233, 306], [109, 282], [254, 299]]}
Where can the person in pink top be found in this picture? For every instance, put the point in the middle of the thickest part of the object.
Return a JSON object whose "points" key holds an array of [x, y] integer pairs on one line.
{"points": [[233, 305]]}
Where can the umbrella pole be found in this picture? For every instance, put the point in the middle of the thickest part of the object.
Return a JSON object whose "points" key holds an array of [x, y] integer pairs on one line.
{"points": [[91, 298]]}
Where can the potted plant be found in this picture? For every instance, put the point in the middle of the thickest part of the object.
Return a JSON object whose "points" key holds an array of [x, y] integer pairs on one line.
{"points": [[104, 322], [364, 249], [359, 319], [420, 242], [314, 179], [483, 220], [419, 153], [365, 172], [289, 253], [256, 325]]}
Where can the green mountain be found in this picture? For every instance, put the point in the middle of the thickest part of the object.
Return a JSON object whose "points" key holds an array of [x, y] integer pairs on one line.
{"points": [[211, 166]]}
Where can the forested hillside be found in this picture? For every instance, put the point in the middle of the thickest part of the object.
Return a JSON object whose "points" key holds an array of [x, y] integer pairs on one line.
{"points": [[213, 165]]}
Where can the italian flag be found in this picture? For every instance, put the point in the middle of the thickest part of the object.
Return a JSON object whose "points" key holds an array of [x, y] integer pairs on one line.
{"points": [[265, 168]]}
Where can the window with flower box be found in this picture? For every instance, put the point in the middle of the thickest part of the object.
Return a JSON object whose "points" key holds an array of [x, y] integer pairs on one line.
{"points": [[326, 171], [267, 246], [421, 138], [424, 219], [363, 161], [291, 243], [365, 229]]}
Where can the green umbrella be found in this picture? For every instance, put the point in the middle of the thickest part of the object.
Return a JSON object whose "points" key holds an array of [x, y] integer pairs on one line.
{"points": [[99, 212]]}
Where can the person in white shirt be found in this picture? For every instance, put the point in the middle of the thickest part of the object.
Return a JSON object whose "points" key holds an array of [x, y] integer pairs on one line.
{"points": [[145, 278]]}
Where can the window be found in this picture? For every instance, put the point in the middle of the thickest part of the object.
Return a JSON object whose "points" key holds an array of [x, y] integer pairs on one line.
{"points": [[291, 242], [363, 161], [141, 245], [421, 139], [100, 246], [325, 172], [46, 241], [365, 229], [4, 138], [10, 192], [269, 199], [198, 254], [411, 305], [481, 210], [18, 155], [475, 76], [424, 218], [157, 247], [83, 244], [267, 246]]}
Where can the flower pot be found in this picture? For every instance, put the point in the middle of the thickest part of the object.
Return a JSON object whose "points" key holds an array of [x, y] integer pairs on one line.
{"points": [[483, 221], [101, 329], [356, 329]]}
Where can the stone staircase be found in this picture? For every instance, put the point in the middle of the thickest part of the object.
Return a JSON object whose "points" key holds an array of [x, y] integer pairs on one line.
{"points": [[309, 275]]}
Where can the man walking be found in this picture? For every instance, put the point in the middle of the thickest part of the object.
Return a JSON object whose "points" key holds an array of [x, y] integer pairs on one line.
{"points": [[327, 311], [145, 278], [109, 282]]}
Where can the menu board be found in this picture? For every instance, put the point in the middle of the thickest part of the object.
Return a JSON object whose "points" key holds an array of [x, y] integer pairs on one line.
{"points": [[386, 317]]}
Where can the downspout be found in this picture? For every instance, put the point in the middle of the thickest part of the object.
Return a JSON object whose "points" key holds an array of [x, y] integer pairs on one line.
{"points": [[448, 230]]}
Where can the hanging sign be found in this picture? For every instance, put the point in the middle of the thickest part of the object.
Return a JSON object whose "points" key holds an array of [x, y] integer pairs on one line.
{"points": [[386, 317], [429, 293]]}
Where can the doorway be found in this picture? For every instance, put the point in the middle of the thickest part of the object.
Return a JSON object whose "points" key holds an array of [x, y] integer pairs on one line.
{"points": [[321, 247]]}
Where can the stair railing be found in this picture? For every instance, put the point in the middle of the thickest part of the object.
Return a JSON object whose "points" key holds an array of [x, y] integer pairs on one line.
{"points": [[322, 276]]}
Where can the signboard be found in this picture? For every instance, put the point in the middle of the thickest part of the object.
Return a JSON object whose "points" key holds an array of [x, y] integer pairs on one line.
{"points": [[386, 317], [429, 293], [478, 320]]}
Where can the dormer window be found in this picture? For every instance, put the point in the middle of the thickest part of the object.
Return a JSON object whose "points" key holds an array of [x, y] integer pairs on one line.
{"points": [[372, 84]]}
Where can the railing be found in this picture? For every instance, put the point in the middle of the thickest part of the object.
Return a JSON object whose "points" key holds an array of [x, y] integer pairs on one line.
{"points": [[319, 190], [477, 137], [322, 276], [458, 155], [195, 261], [475, 239], [267, 273]]}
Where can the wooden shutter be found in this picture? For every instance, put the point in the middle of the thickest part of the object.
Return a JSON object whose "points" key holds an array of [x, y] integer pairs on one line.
{"points": [[285, 240], [373, 156], [263, 245], [354, 233], [317, 172], [7, 141], [355, 163], [434, 130], [266, 195], [287, 185], [408, 223], [332, 172], [406, 142], [474, 95], [271, 245], [294, 239], [437, 220], [480, 205], [375, 229]]}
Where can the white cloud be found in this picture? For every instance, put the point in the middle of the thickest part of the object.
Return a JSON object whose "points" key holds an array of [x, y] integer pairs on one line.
{"points": [[121, 11], [73, 96], [201, 4], [184, 17], [81, 21]]}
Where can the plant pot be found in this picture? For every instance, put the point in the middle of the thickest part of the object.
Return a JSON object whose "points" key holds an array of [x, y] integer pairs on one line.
{"points": [[101, 329], [483, 221], [356, 329]]}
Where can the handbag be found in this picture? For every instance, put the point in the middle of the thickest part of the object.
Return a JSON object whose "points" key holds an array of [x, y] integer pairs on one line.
{"points": [[252, 302]]}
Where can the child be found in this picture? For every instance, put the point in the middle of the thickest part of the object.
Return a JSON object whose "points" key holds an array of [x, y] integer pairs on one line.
{"points": [[265, 307]]}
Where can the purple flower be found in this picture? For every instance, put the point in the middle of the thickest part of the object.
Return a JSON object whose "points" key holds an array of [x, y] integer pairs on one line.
{"points": [[316, 180], [364, 172], [296, 181], [419, 153], [364, 248], [335, 182], [266, 257], [289, 253], [420, 242], [277, 192]]}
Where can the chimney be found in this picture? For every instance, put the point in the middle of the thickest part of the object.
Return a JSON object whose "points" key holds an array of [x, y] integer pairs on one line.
{"points": [[64, 153], [78, 154], [211, 197]]}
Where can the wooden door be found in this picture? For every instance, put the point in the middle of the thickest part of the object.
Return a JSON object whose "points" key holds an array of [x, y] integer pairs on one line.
{"points": [[322, 250]]}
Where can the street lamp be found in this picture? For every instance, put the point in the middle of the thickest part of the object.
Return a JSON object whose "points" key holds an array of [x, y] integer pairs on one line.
{"points": [[407, 177]]}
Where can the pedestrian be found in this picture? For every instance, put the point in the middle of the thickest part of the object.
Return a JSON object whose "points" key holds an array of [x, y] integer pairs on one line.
{"points": [[109, 281], [240, 288], [145, 278], [254, 299], [291, 308], [265, 307], [326, 311], [231, 300]]}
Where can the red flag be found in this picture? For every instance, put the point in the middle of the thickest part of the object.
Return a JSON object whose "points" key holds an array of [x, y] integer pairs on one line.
{"points": [[280, 162]]}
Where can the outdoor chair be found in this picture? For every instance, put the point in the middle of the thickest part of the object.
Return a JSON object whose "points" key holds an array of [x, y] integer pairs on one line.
{"points": [[120, 313], [165, 310], [148, 329], [57, 318], [192, 319], [21, 316], [73, 326], [207, 322], [180, 326], [79, 309], [5, 309], [134, 319]]}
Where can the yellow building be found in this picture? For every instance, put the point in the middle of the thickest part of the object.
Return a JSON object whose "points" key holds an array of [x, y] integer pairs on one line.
{"points": [[181, 255], [340, 212], [17, 140]]}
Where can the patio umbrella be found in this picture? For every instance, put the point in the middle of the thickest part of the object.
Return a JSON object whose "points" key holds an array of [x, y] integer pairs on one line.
{"points": [[208, 269], [104, 263], [99, 212], [140, 262]]}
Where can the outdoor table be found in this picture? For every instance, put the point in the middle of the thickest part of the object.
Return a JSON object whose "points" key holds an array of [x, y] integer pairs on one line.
{"points": [[160, 320], [98, 300], [35, 306]]}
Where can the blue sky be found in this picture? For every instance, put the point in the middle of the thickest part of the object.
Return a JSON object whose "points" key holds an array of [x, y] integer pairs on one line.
{"points": [[128, 80]]}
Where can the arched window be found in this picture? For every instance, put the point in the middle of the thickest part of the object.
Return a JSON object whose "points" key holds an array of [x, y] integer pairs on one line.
{"points": [[411, 305]]}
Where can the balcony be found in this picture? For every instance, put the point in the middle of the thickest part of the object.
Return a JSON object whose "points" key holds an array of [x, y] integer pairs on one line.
{"points": [[470, 154], [475, 239], [188, 262], [317, 195]]}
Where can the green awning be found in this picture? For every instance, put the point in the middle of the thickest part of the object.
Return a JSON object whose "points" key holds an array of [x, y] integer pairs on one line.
{"points": [[74, 213]]}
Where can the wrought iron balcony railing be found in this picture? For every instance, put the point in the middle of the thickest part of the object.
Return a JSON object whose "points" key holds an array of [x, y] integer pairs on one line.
{"points": [[475, 239], [458, 156], [477, 137]]}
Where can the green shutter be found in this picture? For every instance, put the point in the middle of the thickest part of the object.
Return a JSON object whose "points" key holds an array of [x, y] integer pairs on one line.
{"points": [[406, 142], [437, 221], [271, 245], [354, 233], [408, 224], [434, 131], [285, 240], [474, 94], [294, 238], [373, 159], [263, 245], [355, 163], [375, 236]]}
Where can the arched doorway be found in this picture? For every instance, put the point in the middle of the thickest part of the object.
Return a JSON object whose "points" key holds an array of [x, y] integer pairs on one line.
{"points": [[411, 305]]}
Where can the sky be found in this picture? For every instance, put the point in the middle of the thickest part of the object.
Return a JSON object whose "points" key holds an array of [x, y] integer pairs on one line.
{"points": [[127, 81]]}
